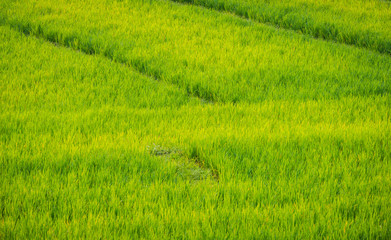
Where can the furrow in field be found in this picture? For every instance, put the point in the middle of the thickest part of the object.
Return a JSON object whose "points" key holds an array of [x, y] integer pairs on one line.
{"points": [[90, 49], [74, 130], [94, 48], [65, 81], [214, 56], [364, 24], [66, 86]]}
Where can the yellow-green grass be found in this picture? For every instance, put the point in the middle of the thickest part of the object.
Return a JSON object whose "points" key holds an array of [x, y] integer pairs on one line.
{"points": [[75, 134], [215, 56], [107, 128], [362, 23]]}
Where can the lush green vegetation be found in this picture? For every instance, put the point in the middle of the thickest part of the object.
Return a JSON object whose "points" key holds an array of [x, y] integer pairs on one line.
{"points": [[151, 119], [363, 23], [216, 57]]}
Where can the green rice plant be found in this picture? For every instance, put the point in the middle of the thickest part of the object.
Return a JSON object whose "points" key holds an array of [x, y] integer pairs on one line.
{"points": [[214, 56], [360, 23], [107, 130], [187, 167]]}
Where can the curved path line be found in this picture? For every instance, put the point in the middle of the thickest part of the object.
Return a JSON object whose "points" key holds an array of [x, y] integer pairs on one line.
{"points": [[327, 32], [136, 64]]}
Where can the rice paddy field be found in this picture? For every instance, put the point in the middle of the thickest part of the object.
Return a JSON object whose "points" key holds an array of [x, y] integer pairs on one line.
{"points": [[195, 119]]}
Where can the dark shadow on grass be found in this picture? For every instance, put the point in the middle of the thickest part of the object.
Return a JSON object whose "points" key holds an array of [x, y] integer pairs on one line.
{"points": [[189, 167]]}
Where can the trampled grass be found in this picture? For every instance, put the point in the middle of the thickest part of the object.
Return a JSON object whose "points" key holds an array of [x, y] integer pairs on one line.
{"points": [[107, 129]]}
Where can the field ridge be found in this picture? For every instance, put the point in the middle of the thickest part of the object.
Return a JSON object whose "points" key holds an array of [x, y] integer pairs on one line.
{"points": [[160, 120], [286, 18], [224, 59], [91, 48]]}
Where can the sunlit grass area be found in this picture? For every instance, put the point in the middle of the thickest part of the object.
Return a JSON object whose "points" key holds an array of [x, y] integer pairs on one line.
{"points": [[158, 120], [362, 23]]}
